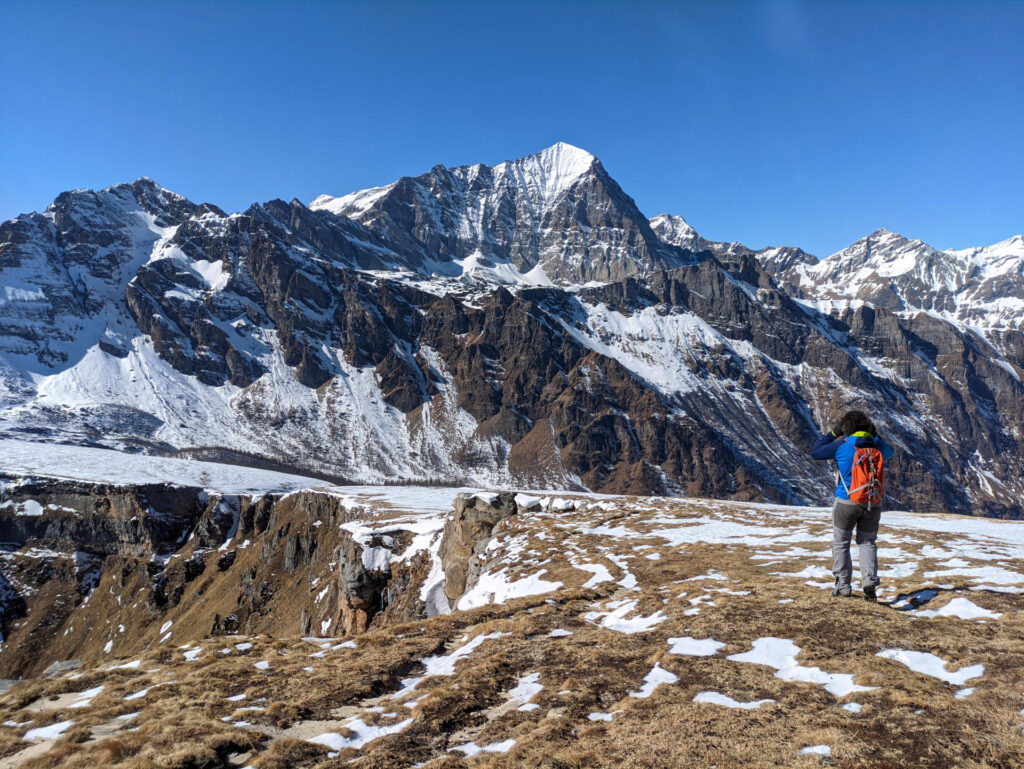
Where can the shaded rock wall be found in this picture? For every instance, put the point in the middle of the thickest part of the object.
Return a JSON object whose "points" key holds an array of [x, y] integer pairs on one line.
{"points": [[88, 570]]}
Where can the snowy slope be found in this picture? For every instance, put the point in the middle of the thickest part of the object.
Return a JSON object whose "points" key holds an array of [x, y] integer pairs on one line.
{"points": [[24, 459]]}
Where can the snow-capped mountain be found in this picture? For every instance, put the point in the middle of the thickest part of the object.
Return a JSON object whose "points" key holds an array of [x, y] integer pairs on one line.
{"points": [[981, 287], [553, 217], [65, 269], [394, 335]]}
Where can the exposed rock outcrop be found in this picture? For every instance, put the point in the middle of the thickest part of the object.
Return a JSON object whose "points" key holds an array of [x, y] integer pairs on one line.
{"points": [[466, 533], [90, 568]]}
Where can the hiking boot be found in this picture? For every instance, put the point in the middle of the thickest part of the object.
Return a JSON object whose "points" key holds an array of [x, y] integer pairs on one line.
{"points": [[869, 594], [841, 592]]}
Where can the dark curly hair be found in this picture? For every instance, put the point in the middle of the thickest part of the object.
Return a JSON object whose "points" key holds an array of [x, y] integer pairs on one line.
{"points": [[856, 421]]}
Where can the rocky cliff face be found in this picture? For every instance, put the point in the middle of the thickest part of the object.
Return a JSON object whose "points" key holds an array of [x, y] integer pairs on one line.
{"points": [[93, 569], [401, 334]]}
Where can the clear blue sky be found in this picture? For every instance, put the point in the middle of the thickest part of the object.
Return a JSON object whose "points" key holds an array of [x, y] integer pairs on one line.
{"points": [[808, 124]]}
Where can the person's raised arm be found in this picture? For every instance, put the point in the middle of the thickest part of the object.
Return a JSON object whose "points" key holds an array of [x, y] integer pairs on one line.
{"points": [[826, 446]]}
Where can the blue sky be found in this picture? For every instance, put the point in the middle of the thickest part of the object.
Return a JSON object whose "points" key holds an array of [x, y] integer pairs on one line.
{"points": [[807, 124]]}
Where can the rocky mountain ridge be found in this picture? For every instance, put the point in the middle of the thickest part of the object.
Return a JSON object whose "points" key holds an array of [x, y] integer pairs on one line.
{"points": [[981, 287], [778, 261], [556, 216], [399, 335]]}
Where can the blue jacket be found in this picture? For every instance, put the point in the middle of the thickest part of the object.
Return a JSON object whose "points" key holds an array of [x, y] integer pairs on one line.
{"points": [[842, 451]]}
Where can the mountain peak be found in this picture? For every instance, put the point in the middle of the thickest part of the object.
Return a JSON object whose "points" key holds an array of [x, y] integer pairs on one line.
{"points": [[568, 155], [881, 243], [142, 183], [554, 169], [883, 234], [676, 231], [552, 211]]}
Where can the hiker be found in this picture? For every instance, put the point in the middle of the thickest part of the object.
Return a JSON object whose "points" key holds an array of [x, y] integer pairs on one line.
{"points": [[860, 456]]}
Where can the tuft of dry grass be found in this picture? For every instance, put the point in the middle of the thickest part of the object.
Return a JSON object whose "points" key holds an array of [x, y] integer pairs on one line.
{"points": [[287, 753]]}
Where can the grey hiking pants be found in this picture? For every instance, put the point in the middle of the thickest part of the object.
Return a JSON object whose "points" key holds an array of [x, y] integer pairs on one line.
{"points": [[846, 516]]}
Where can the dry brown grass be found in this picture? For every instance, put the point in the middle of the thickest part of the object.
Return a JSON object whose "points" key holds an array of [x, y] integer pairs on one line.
{"points": [[909, 720], [287, 753]]}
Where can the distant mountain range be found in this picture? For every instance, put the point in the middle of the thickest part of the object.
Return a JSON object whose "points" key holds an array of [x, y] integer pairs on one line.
{"points": [[521, 324]]}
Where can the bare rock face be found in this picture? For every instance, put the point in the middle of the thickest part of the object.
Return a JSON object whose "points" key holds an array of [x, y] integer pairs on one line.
{"points": [[90, 568], [361, 594], [100, 518], [466, 534]]}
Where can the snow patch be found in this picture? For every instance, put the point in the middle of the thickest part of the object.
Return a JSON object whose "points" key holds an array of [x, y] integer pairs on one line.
{"points": [[716, 698], [931, 665], [781, 653], [704, 647], [652, 680]]}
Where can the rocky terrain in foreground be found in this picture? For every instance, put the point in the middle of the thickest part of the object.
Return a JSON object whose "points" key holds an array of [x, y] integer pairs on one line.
{"points": [[294, 627]]}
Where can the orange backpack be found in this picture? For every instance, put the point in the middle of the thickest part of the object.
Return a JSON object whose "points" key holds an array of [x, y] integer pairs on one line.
{"points": [[867, 477]]}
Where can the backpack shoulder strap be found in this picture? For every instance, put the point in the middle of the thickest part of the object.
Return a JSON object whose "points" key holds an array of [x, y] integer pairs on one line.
{"points": [[839, 470]]}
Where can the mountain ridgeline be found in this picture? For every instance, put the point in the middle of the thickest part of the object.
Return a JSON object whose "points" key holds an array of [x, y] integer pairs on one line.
{"points": [[516, 325]]}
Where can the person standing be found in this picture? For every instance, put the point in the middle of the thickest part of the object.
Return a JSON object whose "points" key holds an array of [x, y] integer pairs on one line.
{"points": [[860, 456]]}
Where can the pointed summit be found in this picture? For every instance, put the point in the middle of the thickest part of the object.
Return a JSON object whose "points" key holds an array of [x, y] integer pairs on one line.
{"points": [[547, 173], [879, 246], [556, 215], [881, 238], [566, 160], [550, 172], [676, 231]]}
